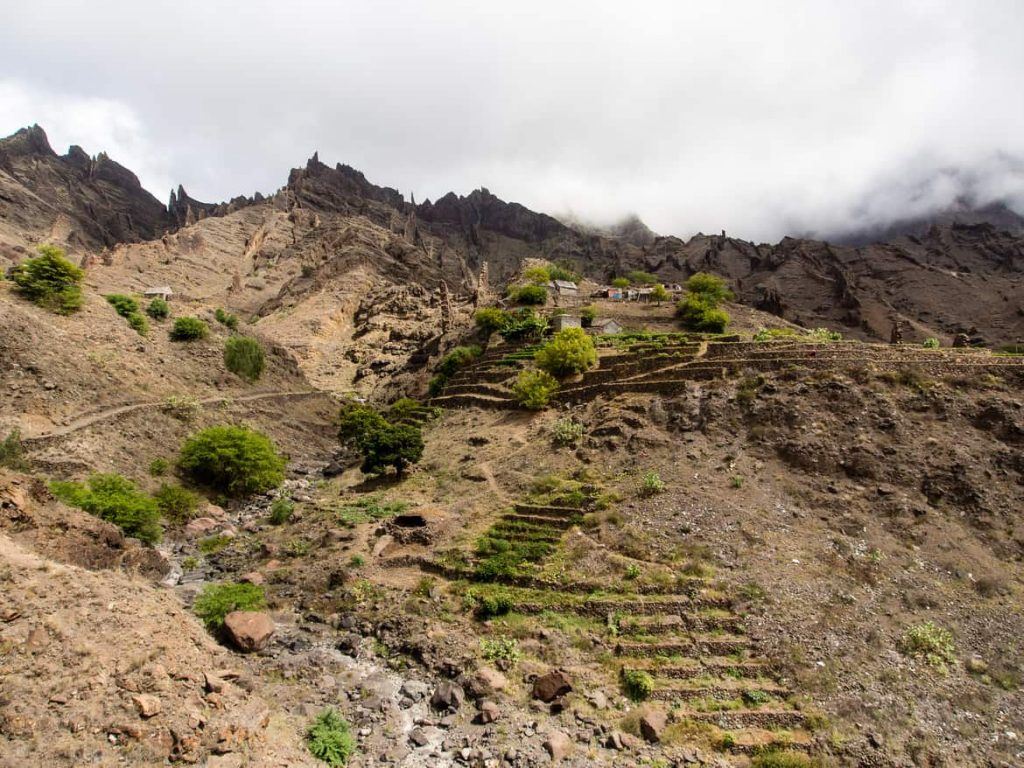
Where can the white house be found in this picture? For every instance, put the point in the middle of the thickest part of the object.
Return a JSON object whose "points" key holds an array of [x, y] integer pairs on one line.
{"points": [[160, 292], [561, 322]]}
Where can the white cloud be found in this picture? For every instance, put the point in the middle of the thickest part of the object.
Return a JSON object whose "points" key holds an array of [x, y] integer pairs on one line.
{"points": [[760, 118]]}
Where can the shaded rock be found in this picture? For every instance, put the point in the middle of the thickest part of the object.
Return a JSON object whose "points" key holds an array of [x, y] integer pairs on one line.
{"points": [[652, 725], [489, 712], [558, 745], [248, 630], [551, 685], [447, 697], [146, 705]]}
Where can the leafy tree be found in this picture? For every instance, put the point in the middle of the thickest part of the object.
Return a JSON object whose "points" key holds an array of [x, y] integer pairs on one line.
{"points": [[176, 504], [711, 288], [697, 314], [587, 315], [491, 320], [395, 445], [659, 294], [50, 280], [620, 282], [524, 324], [357, 420], [533, 389], [639, 277], [529, 295], [115, 499], [243, 355], [537, 275], [189, 329], [570, 351], [158, 309], [234, 460]]}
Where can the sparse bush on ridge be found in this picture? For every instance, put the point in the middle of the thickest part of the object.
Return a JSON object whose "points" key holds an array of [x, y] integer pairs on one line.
{"points": [[189, 329], [117, 500], [243, 356], [158, 309], [50, 280], [235, 460]]}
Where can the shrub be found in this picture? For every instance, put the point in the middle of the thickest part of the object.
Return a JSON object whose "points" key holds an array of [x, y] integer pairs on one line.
{"points": [[639, 277], [125, 306], [330, 739], [357, 420], [570, 351], [524, 324], [189, 329], [533, 389], [637, 684], [620, 282], [138, 324], [176, 504], [567, 432], [781, 759], [531, 295], [490, 606], [182, 407], [504, 649], [50, 280], [491, 320], [659, 294], [158, 309], [824, 334], [115, 499], [930, 642], [651, 484], [405, 410], [357, 561], [537, 275], [710, 287], [243, 356], [458, 358], [234, 460], [561, 272], [12, 452], [222, 317], [395, 445], [697, 314], [218, 600], [931, 343], [281, 511], [587, 315]]}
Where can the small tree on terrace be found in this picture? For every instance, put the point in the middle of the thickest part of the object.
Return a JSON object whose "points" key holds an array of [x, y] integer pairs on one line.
{"points": [[491, 320], [570, 351], [620, 282], [711, 288], [659, 294]]}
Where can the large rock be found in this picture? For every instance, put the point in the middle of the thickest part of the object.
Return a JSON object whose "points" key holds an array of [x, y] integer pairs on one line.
{"points": [[248, 630], [551, 685], [483, 683], [652, 724], [146, 705], [447, 697], [558, 745]]}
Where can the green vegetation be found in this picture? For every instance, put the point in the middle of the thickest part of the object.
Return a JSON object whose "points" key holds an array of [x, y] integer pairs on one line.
{"points": [[793, 334], [533, 389], [281, 511], [235, 460], [115, 499], [218, 600], [931, 343], [222, 317], [158, 467], [330, 739], [491, 320], [189, 329], [382, 443], [637, 684], [128, 308], [537, 275], [50, 280], [709, 287], [158, 309], [588, 315], [214, 544], [370, 508], [12, 452], [570, 351], [567, 432], [530, 295], [176, 504], [357, 561], [450, 364], [490, 606], [504, 649], [930, 642], [659, 294], [736, 481], [620, 282], [243, 356], [699, 310], [405, 410], [524, 324], [651, 484], [782, 759]]}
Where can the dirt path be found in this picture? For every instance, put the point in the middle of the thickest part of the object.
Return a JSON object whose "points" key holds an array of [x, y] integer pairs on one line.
{"points": [[86, 421]]}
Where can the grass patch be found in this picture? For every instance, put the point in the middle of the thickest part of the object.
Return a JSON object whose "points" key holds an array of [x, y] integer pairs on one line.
{"points": [[370, 508]]}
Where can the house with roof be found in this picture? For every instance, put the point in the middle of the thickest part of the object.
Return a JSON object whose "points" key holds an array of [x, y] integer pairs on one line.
{"points": [[564, 291], [561, 322], [160, 292], [605, 326]]}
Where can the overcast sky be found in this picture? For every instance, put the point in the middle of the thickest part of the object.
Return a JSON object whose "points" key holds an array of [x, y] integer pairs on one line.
{"points": [[761, 118]]}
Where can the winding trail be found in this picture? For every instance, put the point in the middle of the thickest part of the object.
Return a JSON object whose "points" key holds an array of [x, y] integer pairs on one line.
{"points": [[88, 420]]}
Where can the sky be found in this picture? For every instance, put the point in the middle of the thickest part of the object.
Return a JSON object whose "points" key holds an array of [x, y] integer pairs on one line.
{"points": [[760, 118]]}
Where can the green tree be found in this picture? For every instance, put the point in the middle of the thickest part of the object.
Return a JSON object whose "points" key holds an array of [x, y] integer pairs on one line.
{"points": [[533, 389], [570, 351], [243, 355], [711, 288], [189, 329], [659, 294], [50, 280], [531, 295], [699, 315], [232, 459], [620, 282], [394, 445], [491, 320]]}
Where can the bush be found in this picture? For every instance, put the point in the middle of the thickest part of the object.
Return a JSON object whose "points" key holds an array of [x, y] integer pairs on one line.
{"points": [[537, 275], [281, 511], [138, 324], [532, 295], [533, 389], [405, 410], [176, 504], [115, 499], [243, 356], [639, 277], [458, 358], [659, 294], [570, 351], [504, 649], [567, 432], [697, 314], [222, 317], [330, 739], [491, 606], [158, 309], [931, 343], [524, 324], [12, 452], [824, 334], [395, 445], [930, 642], [587, 315], [711, 288], [234, 460], [125, 306], [50, 280], [651, 484], [218, 600], [491, 320], [159, 466], [561, 272], [189, 329], [781, 759], [637, 684], [620, 282]]}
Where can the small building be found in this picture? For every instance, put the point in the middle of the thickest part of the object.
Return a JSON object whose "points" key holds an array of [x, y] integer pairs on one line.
{"points": [[561, 322], [160, 292], [674, 288], [565, 292], [644, 294], [605, 326], [615, 294]]}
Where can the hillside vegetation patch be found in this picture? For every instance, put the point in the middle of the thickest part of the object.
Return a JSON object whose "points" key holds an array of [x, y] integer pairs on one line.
{"points": [[243, 356], [117, 500], [189, 329], [50, 280], [235, 460], [218, 600]]}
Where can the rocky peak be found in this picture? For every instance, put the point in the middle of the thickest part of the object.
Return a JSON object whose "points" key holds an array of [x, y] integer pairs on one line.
{"points": [[27, 141], [481, 209]]}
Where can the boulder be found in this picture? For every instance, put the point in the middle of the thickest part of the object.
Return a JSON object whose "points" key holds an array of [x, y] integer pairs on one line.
{"points": [[146, 705], [489, 712], [248, 630], [551, 685], [652, 725], [558, 745], [483, 683], [200, 526], [447, 697]]}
